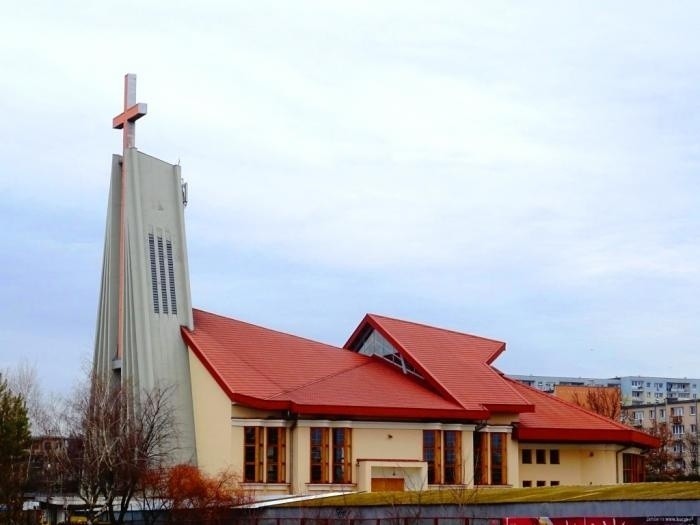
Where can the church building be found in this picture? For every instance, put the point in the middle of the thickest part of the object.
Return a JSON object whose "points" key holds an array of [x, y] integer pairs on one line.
{"points": [[401, 406]]}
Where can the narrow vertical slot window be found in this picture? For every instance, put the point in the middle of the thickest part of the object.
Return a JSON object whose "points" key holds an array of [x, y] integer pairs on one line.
{"points": [[171, 276], [154, 275], [161, 267]]}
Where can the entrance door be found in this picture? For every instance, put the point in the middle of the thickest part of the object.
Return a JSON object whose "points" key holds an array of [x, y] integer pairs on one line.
{"points": [[387, 484]]}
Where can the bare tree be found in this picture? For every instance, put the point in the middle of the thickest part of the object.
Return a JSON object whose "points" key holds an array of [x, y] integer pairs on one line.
{"points": [[24, 380], [660, 463], [606, 401], [122, 436]]}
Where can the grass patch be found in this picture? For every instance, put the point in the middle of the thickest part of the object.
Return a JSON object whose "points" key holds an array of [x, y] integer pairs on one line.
{"points": [[688, 490]]}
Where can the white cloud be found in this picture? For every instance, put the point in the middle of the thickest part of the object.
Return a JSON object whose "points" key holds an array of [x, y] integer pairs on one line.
{"points": [[527, 172]]}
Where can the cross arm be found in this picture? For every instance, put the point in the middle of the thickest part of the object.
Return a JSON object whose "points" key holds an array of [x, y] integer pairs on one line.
{"points": [[131, 114]]}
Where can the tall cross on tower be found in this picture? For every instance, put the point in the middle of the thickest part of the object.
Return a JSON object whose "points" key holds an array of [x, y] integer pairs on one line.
{"points": [[132, 112], [126, 120]]}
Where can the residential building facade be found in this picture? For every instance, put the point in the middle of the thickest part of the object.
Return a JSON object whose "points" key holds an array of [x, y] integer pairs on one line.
{"points": [[676, 423], [635, 390]]}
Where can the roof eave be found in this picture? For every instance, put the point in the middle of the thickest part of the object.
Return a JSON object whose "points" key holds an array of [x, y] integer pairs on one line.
{"points": [[569, 435], [194, 348], [390, 412], [510, 408]]}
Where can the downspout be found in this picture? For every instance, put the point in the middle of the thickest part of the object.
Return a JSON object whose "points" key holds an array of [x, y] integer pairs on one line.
{"points": [[292, 428]]}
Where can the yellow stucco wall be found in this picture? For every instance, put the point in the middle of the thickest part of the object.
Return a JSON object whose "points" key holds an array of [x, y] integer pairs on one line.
{"points": [[578, 465], [212, 421], [378, 449]]}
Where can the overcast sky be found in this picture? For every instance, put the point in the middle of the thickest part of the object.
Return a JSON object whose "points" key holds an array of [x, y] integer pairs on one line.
{"points": [[527, 172]]}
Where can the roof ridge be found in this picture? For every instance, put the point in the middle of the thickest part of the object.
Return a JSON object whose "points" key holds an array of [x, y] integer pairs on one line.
{"points": [[424, 325], [401, 348]]}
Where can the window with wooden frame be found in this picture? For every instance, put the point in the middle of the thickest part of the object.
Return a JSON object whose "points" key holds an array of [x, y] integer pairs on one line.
{"points": [[632, 468], [264, 454], [319, 455], [432, 455], [276, 454], [498, 444], [442, 451], [526, 454], [342, 455], [452, 444], [253, 454], [490, 458]]}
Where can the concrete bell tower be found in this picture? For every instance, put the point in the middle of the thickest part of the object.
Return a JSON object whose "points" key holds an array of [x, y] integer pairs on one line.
{"points": [[145, 289]]}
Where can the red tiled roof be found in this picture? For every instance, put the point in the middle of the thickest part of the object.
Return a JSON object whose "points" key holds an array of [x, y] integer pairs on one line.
{"points": [[456, 364], [555, 419], [272, 370]]}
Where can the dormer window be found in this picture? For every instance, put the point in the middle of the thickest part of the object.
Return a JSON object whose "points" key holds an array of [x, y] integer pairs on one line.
{"points": [[375, 344]]}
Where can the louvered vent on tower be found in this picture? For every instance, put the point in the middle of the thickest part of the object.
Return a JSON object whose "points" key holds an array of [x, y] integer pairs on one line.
{"points": [[154, 273], [162, 266], [171, 276]]}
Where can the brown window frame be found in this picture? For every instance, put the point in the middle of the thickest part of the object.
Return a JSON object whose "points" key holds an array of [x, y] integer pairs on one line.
{"points": [[433, 447], [341, 456], [276, 455], [442, 450], [491, 458], [322, 450], [259, 445], [632, 468], [452, 457], [253, 442]]}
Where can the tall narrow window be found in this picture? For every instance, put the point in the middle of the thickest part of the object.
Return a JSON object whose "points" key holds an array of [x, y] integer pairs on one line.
{"points": [[154, 273], [432, 454], [490, 458], [171, 276], [342, 455], [453, 456], [632, 468], [276, 453], [498, 458], [161, 267], [253, 454], [319, 438]]}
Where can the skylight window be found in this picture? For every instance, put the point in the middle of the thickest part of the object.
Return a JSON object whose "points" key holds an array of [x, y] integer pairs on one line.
{"points": [[375, 344]]}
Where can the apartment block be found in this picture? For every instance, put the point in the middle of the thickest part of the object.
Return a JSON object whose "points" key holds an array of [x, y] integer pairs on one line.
{"points": [[635, 390], [678, 420]]}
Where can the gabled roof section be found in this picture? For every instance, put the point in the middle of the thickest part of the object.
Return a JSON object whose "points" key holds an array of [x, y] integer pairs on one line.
{"points": [[557, 420], [272, 370], [457, 365]]}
